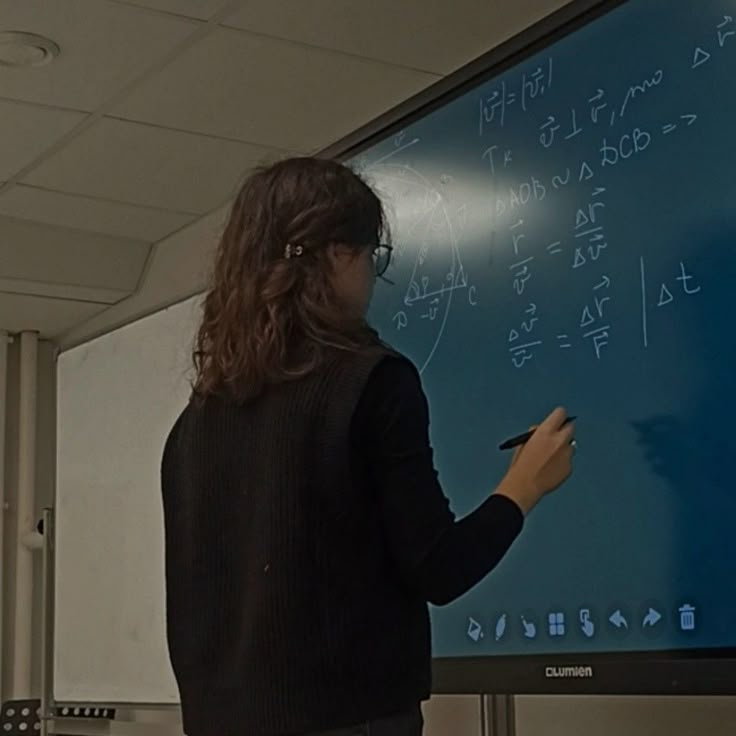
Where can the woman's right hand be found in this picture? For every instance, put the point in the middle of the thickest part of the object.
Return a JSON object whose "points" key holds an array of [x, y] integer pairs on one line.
{"points": [[542, 464]]}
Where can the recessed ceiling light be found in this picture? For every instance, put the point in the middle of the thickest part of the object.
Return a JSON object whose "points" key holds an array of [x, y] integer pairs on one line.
{"points": [[19, 49]]}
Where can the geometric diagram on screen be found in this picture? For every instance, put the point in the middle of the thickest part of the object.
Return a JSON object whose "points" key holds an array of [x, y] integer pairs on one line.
{"points": [[619, 620], [475, 630], [530, 628], [556, 622], [687, 617], [501, 626], [427, 227], [652, 618], [586, 623]]}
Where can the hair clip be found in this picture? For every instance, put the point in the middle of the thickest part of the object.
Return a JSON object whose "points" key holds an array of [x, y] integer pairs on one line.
{"points": [[293, 250]]}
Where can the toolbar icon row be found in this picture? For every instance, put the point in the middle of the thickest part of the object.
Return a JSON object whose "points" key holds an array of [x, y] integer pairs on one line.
{"points": [[557, 625]]}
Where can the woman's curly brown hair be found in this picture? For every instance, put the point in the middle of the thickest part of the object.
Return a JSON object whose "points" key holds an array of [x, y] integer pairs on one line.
{"points": [[267, 318]]}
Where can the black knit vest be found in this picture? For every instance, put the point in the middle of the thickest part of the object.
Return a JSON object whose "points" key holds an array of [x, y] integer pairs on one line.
{"points": [[284, 613]]}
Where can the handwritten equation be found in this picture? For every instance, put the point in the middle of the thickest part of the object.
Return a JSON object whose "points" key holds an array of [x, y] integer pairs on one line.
{"points": [[550, 177], [586, 246], [665, 293], [494, 106], [589, 245]]}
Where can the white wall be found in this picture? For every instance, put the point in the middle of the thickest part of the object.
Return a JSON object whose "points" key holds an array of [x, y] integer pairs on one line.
{"points": [[45, 472]]}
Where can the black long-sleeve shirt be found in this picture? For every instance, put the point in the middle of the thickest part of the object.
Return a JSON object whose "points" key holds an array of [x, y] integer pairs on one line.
{"points": [[439, 557], [305, 533]]}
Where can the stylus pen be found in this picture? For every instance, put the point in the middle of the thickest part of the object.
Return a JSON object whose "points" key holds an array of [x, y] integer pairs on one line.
{"points": [[520, 439]]}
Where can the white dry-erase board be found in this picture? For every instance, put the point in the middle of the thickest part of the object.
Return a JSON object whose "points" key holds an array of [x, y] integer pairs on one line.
{"points": [[117, 398]]}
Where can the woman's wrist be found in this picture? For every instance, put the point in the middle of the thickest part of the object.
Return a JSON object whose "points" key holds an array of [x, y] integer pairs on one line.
{"points": [[522, 493]]}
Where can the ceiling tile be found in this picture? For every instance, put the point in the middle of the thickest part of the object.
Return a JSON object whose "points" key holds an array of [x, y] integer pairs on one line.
{"points": [[94, 215], [270, 92], [179, 266], [201, 9], [50, 317], [27, 130], [433, 35], [146, 165], [104, 46], [33, 252], [97, 294]]}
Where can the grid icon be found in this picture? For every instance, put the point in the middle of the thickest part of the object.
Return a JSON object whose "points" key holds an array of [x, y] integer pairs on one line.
{"points": [[556, 621]]}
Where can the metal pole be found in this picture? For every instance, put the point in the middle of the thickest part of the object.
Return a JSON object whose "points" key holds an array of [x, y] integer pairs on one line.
{"points": [[47, 623], [4, 341], [23, 631], [498, 715]]}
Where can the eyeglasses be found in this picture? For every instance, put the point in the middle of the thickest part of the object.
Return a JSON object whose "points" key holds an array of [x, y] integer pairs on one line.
{"points": [[381, 259]]}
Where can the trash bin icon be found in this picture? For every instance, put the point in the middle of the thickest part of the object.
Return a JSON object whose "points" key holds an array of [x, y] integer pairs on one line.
{"points": [[687, 617]]}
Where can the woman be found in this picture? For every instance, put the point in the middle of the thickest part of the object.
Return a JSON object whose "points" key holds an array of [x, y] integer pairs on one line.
{"points": [[306, 530]]}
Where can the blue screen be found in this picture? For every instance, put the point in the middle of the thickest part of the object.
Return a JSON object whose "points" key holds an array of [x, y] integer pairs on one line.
{"points": [[565, 233]]}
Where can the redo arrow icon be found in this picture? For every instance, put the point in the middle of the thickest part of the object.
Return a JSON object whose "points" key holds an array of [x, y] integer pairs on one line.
{"points": [[651, 619]]}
